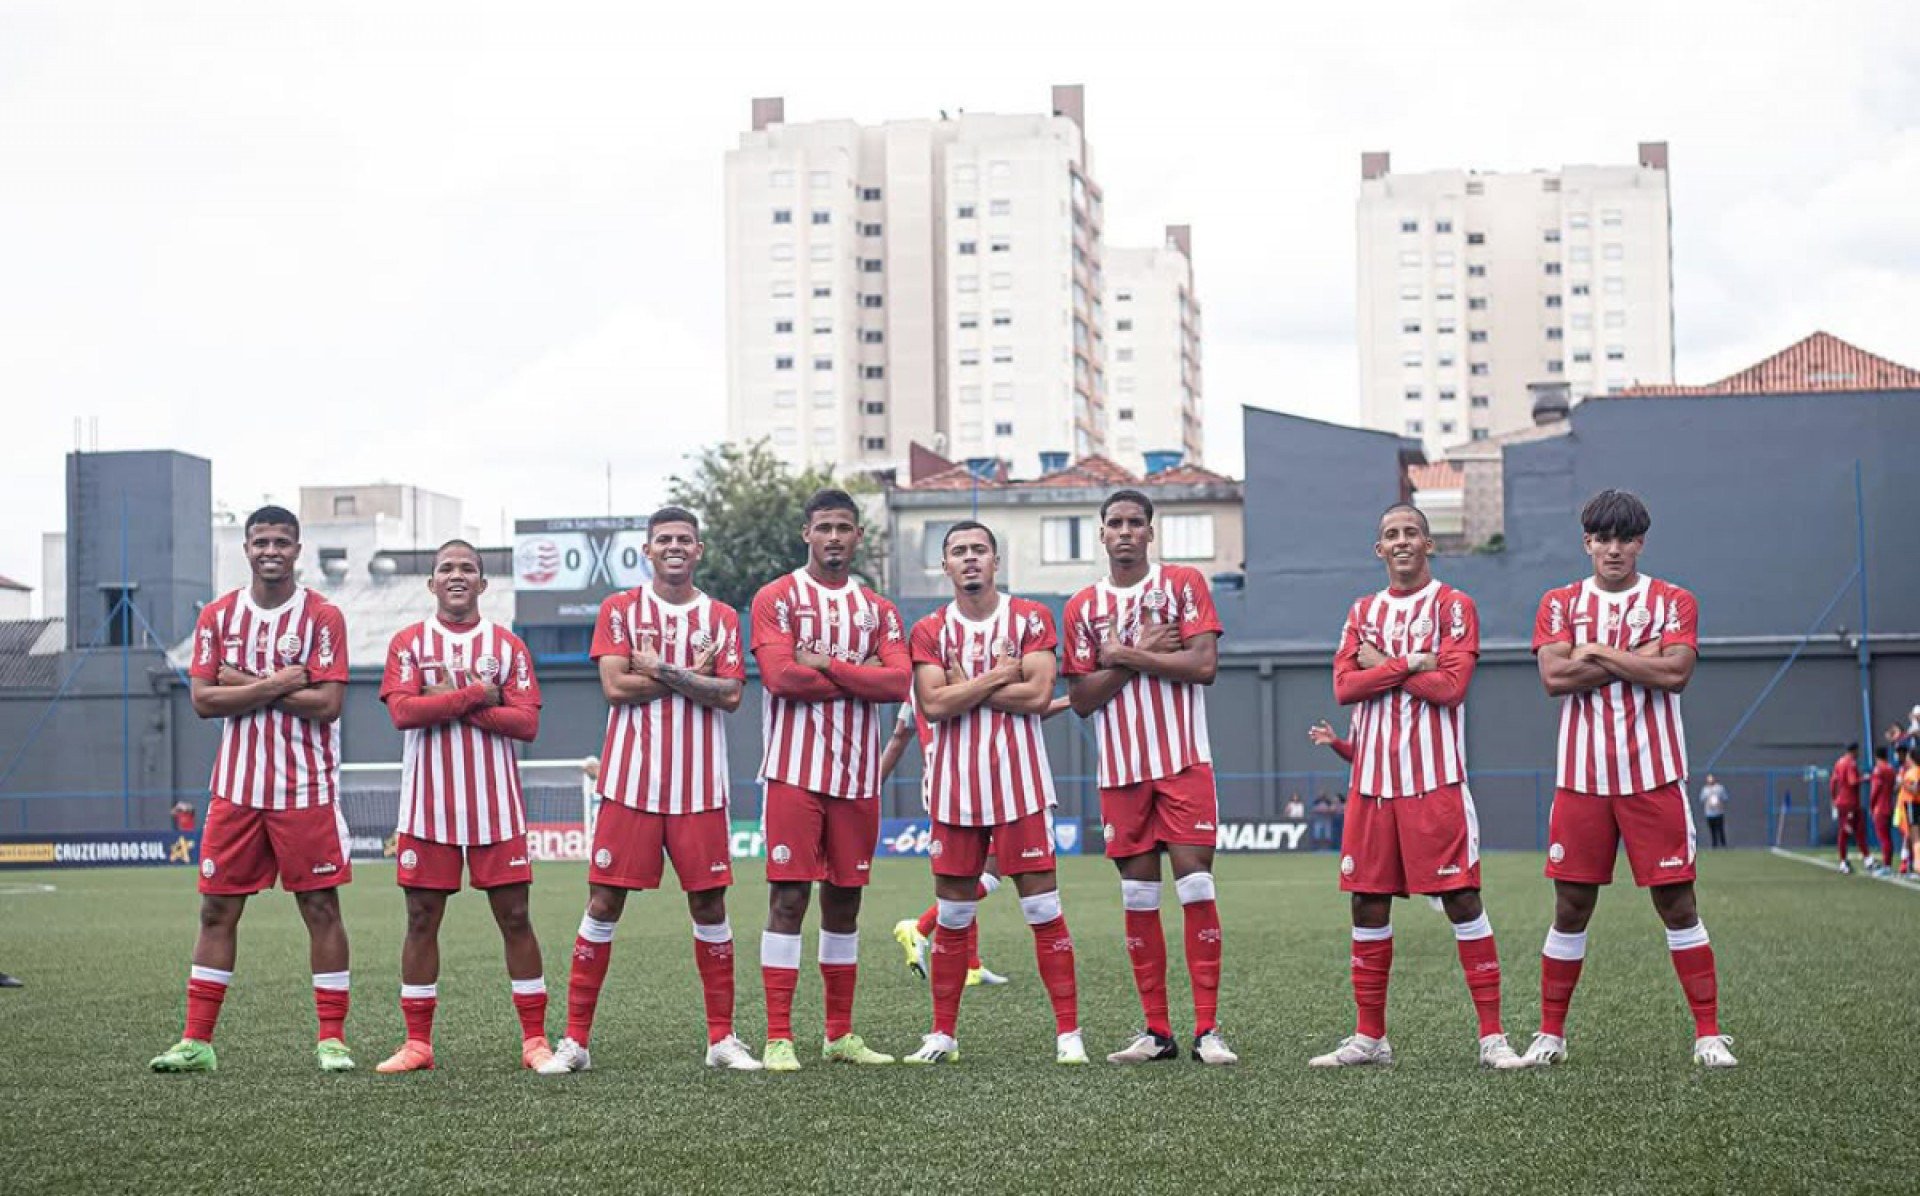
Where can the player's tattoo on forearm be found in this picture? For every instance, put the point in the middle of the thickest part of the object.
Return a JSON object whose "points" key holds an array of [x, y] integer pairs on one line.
{"points": [[695, 685]]}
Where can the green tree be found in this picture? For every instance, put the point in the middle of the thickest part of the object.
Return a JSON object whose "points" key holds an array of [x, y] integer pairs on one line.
{"points": [[750, 505]]}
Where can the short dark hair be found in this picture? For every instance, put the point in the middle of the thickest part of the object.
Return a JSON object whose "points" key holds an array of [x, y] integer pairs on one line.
{"points": [[1407, 506], [478, 558], [272, 514], [1132, 496], [829, 500], [1852, 748], [672, 514], [970, 525], [1618, 514]]}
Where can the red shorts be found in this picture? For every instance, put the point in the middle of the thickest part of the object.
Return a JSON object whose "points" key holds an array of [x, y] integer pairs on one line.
{"points": [[1023, 845], [1179, 809], [1584, 833], [813, 837], [1429, 843], [242, 848], [631, 847], [425, 864]]}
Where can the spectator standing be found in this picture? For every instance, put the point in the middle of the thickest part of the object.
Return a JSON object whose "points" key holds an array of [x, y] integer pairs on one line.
{"points": [[1321, 828], [1295, 810], [1713, 804], [185, 819], [1880, 812]]}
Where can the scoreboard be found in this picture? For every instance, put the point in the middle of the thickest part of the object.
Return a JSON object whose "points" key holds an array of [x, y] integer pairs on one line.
{"points": [[563, 567]]}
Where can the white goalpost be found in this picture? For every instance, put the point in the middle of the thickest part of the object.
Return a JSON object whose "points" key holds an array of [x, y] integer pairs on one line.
{"points": [[559, 803]]}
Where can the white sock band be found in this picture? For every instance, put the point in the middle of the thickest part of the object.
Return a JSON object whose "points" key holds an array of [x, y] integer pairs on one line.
{"points": [[1140, 894], [1569, 947], [1684, 940], [528, 988], [210, 975], [595, 931], [1194, 887], [1479, 928], [839, 948], [989, 882], [1041, 908], [719, 932], [419, 992], [954, 915], [779, 950], [333, 981], [1372, 934]]}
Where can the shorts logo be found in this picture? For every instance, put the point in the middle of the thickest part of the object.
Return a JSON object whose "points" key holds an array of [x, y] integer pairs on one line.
{"points": [[1346, 865], [1449, 870], [1203, 826], [936, 849], [603, 858], [325, 869], [863, 866], [781, 854], [487, 668], [289, 645], [1106, 832], [1672, 861], [717, 866], [207, 869], [1557, 852], [518, 861], [409, 859], [1033, 853]]}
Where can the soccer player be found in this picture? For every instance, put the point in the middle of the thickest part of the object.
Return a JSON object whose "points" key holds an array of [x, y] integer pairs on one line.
{"points": [[461, 688], [831, 652], [1850, 824], [1906, 815], [271, 661], [1142, 645], [1323, 735], [1880, 806], [1617, 649], [1405, 660], [983, 671], [672, 669]]}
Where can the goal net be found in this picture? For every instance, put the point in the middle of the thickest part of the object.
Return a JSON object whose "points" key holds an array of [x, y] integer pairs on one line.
{"points": [[559, 805]]}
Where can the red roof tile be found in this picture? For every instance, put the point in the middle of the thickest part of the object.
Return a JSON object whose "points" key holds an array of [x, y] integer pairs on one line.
{"points": [[957, 477], [1821, 362], [1087, 471], [1441, 475], [1184, 474]]}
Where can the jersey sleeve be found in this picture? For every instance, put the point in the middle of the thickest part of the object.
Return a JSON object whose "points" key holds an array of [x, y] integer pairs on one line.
{"points": [[1037, 632], [1082, 654], [1460, 625], [522, 687], [402, 673], [923, 646], [731, 663], [329, 659], [206, 645], [1551, 624], [1197, 613], [610, 630], [1683, 621]]}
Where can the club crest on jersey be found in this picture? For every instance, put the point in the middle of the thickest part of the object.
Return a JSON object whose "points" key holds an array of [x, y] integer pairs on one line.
{"points": [[325, 655], [289, 646], [1002, 646], [1154, 600], [936, 849], [1639, 617], [487, 668], [866, 620], [1422, 627]]}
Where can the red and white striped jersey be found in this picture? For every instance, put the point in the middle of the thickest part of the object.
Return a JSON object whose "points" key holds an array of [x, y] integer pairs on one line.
{"points": [[985, 767], [826, 745], [1406, 742], [271, 760], [460, 783], [1151, 728], [667, 756], [1621, 738]]}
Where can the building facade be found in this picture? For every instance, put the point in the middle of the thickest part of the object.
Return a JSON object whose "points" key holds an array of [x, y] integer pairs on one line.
{"points": [[1154, 391], [937, 281], [1474, 286]]}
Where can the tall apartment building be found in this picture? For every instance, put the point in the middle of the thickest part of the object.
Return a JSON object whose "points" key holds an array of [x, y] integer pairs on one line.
{"points": [[1475, 286], [1153, 353], [923, 280]]}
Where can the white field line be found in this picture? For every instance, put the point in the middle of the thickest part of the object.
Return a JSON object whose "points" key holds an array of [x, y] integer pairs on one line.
{"points": [[1831, 866]]}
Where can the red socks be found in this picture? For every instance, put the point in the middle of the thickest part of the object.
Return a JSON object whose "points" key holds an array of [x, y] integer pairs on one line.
{"points": [[417, 1005], [1372, 962], [1053, 949], [1147, 951], [1203, 961], [839, 972], [949, 976], [330, 1003], [592, 951], [1693, 963], [1560, 963], [530, 1002], [206, 989], [713, 958], [1480, 961], [779, 976]]}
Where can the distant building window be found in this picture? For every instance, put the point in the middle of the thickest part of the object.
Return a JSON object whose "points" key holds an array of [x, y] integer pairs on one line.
{"points": [[1581, 253], [783, 215], [1479, 433], [1002, 318], [1616, 319], [1581, 288], [823, 327], [1409, 226], [1123, 355], [969, 357], [870, 265], [823, 363], [969, 247], [1443, 226], [1476, 303], [873, 372], [1003, 392], [1610, 217], [1612, 252], [1476, 271], [1556, 367], [869, 230], [1446, 328], [823, 217], [1415, 394], [1124, 414], [1481, 401], [820, 253], [999, 169], [1551, 236], [1553, 267], [819, 180], [876, 444], [1576, 220], [1614, 286], [783, 288], [1444, 361], [825, 398], [1478, 369], [344, 505], [870, 194], [999, 207], [1185, 537], [969, 319], [780, 178], [1413, 429], [1123, 296], [1411, 293], [872, 336], [1002, 245], [1582, 320], [875, 407], [933, 538], [1003, 355], [1065, 539], [1002, 282], [1582, 356], [1549, 184], [1003, 428], [785, 398], [1616, 353], [1443, 258], [1553, 301], [1554, 334], [1476, 187], [1123, 325], [1411, 360], [1477, 336], [783, 363], [1410, 258], [782, 252], [1446, 427], [1476, 238], [872, 301], [783, 326], [1409, 325], [1448, 394], [964, 212]]}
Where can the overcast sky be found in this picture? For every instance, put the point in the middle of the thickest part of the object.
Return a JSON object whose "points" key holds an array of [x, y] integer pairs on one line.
{"points": [[480, 247]]}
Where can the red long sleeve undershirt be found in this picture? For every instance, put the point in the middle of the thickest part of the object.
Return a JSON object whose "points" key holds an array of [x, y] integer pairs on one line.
{"points": [[412, 712]]}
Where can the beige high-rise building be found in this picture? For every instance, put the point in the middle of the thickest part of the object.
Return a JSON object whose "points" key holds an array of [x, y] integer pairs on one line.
{"points": [[1153, 353], [1475, 286], [935, 281]]}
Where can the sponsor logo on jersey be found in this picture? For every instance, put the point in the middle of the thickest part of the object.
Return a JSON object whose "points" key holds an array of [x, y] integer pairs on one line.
{"points": [[1457, 625], [522, 677], [325, 654], [206, 645], [1556, 617], [1673, 620], [406, 664]]}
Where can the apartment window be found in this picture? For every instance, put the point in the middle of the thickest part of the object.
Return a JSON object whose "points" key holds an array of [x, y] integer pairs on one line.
{"points": [[872, 336], [870, 265], [1448, 394], [1549, 184], [1553, 267], [1581, 289], [873, 372], [999, 207], [1414, 394], [1581, 253], [869, 230], [1066, 538], [966, 172], [782, 252], [872, 301], [1476, 303], [1553, 301], [1185, 537], [870, 194], [1446, 328], [1576, 220], [780, 178], [1003, 428], [1477, 336], [1476, 187], [1002, 318], [999, 169], [785, 398], [783, 215], [1479, 433], [1123, 355], [784, 436], [1554, 334], [1582, 321], [969, 357], [1445, 361], [1616, 319], [1123, 325], [1443, 258], [783, 288], [782, 326], [1582, 356], [1123, 296], [1003, 392], [876, 444], [1446, 427], [1124, 415], [1410, 360], [823, 363], [1003, 355], [1614, 286], [1616, 353], [1610, 217], [1612, 252], [1443, 296], [1413, 429], [1410, 258], [1551, 236], [1124, 384], [1480, 401], [1476, 271], [969, 319], [1002, 282], [825, 399], [969, 247], [820, 253], [970, 432], [1409, 226], [964, 212], [1478, 369], [1409, 325], [967, 284], [823, 327], [1411, 294], [819, 180], [1443, 226], [823, 292], [1476, 238], [823, 217], [783, 363], [1002, 245], [1556, 367], [875, 407]]}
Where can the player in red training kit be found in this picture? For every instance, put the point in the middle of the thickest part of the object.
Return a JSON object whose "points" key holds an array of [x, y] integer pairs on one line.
{"points": [[1850, 825], [1617, 649], [462, 691], [831, 652], [1405, 660], [1880, 806], [1142, 646], [270, 660], [983, 671], [671, 666]]}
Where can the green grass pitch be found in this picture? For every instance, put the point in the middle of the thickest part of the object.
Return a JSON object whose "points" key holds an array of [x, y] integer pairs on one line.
{"points": [[1818, 987]]}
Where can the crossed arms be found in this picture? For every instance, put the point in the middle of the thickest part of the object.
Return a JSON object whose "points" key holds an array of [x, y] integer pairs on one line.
{"points": [[1160, 652], [1566, 669], [235, 694]]}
